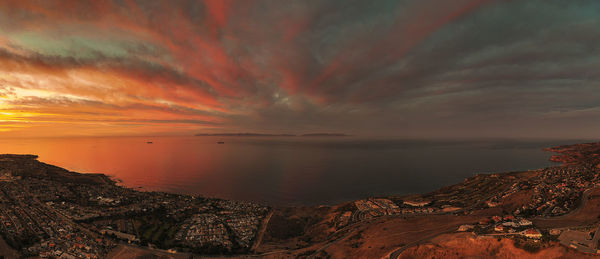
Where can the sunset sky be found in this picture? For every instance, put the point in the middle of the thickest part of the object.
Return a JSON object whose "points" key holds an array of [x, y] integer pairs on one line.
{"points": [[379, 68]]}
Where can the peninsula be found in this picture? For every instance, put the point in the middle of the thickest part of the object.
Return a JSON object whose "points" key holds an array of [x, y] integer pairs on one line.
{"points": [[243, 134], [48, 211], [249, 134]]}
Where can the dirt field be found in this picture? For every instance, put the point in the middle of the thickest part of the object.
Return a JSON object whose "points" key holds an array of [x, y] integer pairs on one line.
{"points": [[379, 237], [517, 200], [7, 251], [383, 236], [467, 245], [128, 252]]}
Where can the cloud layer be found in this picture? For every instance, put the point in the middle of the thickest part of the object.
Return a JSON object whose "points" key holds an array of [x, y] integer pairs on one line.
{"points": [[405, 68]]}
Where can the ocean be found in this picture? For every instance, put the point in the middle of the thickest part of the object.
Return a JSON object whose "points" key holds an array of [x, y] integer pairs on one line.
{"points": [[285, 171]]}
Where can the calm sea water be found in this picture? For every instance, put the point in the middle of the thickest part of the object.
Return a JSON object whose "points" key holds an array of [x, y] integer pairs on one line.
{"points": [[285, 171]]}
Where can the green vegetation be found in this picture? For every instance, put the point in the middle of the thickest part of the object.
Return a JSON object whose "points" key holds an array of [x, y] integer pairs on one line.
{"points": [[527, 245], [281, 227], [156, 229]]}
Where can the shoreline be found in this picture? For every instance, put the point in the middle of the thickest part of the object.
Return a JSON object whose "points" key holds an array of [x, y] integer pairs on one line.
{"points": [[390, 182], [90, 201], [117, 181], [112, 179]]}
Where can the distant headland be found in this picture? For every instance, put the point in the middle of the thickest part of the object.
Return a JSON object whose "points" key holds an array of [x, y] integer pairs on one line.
{"points": [[243, 134], [325, 135], [250, 134]]}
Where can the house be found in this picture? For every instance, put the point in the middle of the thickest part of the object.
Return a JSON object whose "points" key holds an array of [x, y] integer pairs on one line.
{"points": [[451, 209], [499, 228], [510, 224], [524, 222], [492, 204], [555, 231], [532, 233], [464, 228], [417, 203]]}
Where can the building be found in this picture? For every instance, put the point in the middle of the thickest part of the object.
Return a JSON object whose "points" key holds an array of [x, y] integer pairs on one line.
{"points": [[464, 228], [532, 233], [417, 203], [555, 232], [510, 224], [499, 228], [524, 222], [583, 241]]}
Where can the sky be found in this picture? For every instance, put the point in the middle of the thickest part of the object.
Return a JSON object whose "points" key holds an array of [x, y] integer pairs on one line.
{"points": [[419, 68]]}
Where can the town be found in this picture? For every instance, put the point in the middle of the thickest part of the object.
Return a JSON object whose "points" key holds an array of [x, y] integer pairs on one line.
{"points": [[49, 212], [510, 201]]}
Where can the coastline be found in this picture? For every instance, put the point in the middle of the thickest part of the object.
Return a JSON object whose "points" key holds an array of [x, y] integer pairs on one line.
{"points": [[350, 228], [198, 166]]}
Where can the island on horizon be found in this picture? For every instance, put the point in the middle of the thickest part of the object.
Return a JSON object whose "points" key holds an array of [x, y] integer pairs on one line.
{"points": [[49, 211], [325, 135], [249, 134]]}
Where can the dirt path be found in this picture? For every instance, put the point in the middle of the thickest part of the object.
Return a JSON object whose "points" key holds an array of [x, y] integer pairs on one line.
{"points": [[6, 251], [394, 254], [261, 231]]}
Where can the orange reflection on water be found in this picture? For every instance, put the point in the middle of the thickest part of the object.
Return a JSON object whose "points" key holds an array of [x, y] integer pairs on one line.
{"points": [[163, 165], [286, 171]]}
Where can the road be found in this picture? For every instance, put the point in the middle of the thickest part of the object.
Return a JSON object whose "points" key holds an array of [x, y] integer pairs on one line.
{"points": [[444, 230], [584, 199], [313, 255], [397, 252], [261, 231], [352, 228]]}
